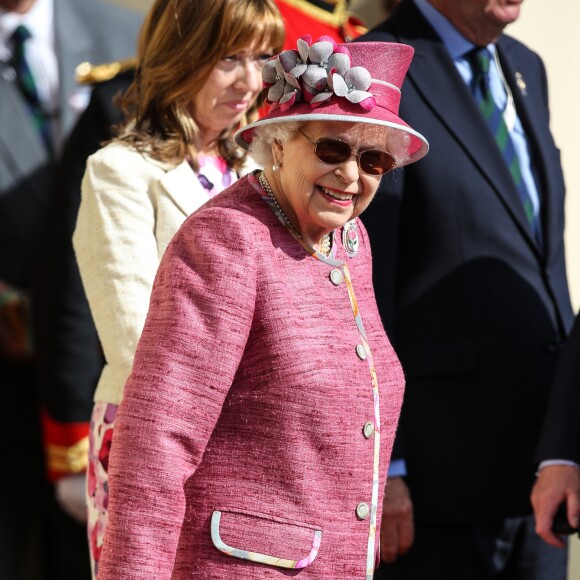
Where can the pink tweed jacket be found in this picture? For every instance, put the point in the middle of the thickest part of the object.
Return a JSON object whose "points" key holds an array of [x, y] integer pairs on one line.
{"points": [[256, 428]]}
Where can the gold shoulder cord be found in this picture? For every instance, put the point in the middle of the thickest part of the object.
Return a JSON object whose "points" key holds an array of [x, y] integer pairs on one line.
{"points": [[89, 74]]}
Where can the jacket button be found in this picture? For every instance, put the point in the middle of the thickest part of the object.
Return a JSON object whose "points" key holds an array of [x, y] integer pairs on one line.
{"points": [[554, 345], [368, 430], [362, 511], [336, 277], [361, 352]]}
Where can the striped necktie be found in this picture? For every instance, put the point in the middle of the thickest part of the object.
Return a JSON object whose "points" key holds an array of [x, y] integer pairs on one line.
{"points": [[27, 86], [480, 60]]}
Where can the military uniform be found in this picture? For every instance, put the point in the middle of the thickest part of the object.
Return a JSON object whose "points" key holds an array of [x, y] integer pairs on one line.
{"points": [[71, 357], [318, 18]]}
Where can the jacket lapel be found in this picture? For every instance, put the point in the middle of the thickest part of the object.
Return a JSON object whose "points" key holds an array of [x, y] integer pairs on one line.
{"points": [[182, 186], [74, 43], [539, 139], [25, 154]]}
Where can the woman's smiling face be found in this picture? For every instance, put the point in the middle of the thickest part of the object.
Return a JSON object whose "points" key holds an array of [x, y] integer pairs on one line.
{"points": [[318, 197]]}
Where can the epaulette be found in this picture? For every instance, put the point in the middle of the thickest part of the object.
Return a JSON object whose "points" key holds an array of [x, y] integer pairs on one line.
{"points": [[89, 74]]}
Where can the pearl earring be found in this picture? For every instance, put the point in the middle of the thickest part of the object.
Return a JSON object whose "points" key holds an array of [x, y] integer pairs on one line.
{"points": [[276, 167]]}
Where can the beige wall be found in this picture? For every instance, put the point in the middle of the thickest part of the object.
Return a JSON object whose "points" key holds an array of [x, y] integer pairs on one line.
{"points": [[138, 5], [552, 34]]}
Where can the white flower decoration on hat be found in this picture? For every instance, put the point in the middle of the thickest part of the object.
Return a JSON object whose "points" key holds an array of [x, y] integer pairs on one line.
{"points": [[316, 72], [281, 75]]}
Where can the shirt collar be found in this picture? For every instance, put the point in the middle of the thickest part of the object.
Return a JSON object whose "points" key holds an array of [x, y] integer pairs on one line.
{"points": [[39, 20], [455, 43]]}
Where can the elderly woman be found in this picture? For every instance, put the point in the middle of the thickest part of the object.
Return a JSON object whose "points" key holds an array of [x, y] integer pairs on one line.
{"points": [[257, 424], [197, 80]]}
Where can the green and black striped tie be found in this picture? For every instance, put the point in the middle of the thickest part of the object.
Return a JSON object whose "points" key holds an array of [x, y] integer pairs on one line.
{"points": [[27, 86], [480, 60]]}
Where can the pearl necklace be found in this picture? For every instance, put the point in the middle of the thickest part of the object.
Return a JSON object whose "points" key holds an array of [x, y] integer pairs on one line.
{"points": [[324, 244]]}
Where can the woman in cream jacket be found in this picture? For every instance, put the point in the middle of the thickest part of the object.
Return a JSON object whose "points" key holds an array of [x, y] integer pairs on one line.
{"points": [[197, 80]]}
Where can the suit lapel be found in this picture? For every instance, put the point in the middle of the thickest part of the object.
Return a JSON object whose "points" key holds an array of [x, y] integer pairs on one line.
{"points": [[26, 153], [74, 42], [183, 187], [452, 102], [538, 137]]}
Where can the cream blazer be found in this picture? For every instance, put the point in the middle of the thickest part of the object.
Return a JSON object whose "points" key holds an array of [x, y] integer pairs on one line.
{"points": [[131, 207]]}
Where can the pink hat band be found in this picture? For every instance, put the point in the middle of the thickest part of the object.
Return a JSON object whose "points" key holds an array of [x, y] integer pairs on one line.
{"points": [[386, 95], [357, 82]]}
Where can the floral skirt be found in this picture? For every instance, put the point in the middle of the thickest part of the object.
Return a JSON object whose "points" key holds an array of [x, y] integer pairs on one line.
{"points": [[100, 438]]}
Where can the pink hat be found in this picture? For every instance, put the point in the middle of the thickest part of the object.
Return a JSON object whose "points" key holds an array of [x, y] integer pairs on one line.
{"points": [[359, 82]]}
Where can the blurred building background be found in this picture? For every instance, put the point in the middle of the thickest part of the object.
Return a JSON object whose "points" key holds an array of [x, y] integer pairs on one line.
{"points": [[551, 33]]}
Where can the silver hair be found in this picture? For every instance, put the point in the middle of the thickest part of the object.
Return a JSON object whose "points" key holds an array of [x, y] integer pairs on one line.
{"points": [[265, 136]]}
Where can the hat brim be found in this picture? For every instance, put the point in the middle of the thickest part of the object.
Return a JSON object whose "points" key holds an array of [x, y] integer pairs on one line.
{"points": [[404, 143]]}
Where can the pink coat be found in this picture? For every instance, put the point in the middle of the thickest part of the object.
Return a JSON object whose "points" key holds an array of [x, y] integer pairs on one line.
{"points": [[248, 443]]}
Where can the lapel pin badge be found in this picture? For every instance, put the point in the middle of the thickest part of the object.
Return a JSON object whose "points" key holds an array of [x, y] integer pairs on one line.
{"points": [[521, 83]]}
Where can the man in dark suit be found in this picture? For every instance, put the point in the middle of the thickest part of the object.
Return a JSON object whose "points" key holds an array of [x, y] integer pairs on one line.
{"points": [[471, 282], [41, 44], [559, 451]]}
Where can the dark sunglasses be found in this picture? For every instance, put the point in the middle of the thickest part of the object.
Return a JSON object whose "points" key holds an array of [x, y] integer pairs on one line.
{"points": [[335, 152]]}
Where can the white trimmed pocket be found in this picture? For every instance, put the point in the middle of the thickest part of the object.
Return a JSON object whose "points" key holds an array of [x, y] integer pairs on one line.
{"points": [[265, 539]]}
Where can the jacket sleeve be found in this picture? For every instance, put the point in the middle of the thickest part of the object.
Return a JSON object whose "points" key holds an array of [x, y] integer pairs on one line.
{"points": [[560, 438], [116, 249], [198, 323]]}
